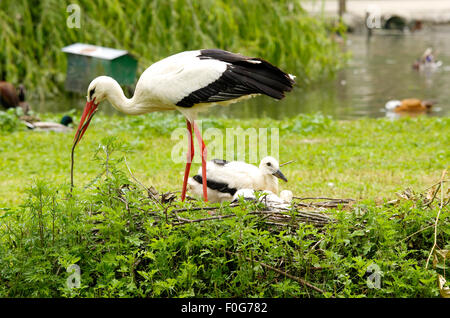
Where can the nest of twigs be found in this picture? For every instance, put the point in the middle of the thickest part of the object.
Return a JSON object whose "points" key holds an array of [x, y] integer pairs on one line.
{"points": [[315, 211], [308, 210]]}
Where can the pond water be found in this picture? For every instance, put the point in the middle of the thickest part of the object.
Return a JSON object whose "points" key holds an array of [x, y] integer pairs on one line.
{"points": [[379, 70]]}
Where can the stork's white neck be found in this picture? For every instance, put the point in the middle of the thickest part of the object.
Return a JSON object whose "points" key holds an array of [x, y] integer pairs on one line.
{"points": [[114, 94], [271, 183]]}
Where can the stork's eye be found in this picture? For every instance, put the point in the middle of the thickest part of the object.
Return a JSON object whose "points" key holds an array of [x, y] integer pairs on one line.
{"points": [[91, 92], [269, 164]]}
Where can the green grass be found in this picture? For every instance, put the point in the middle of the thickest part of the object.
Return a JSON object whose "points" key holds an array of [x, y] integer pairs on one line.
{"points": [[363, 159], [32, 34], [128, 246]]}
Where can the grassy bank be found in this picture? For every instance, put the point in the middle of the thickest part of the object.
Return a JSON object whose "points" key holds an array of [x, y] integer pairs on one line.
{"points": [[32, 34], [126, 245], [361, 159]]}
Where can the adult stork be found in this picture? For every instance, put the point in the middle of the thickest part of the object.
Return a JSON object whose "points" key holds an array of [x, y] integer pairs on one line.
{"points": [[190, 82]]}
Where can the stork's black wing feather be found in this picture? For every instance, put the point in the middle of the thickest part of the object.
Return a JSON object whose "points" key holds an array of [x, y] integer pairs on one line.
{"points": [[243, 76], [214, 185]]}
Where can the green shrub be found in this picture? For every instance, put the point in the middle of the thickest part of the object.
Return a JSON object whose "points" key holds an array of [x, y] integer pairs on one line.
{"points": [[9, 121], [128, 245]]}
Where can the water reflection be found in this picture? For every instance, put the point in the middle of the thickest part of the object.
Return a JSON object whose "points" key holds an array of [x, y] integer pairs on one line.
{"points": [[379, 70]]}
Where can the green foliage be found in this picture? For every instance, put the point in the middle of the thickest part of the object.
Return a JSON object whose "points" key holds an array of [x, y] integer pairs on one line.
{"points": [[32, 34], [304, 124], [8, 121], [126, 246]]}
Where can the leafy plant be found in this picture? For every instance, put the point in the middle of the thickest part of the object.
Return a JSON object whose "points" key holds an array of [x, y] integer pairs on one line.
{"points": [[129, 245], [9, 121]]}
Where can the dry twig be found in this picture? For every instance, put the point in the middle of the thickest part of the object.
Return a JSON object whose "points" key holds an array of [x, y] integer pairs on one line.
{"points": [[437, 218], [77, 138]]}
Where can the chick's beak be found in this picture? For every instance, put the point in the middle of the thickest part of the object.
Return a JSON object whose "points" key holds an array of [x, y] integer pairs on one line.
{"points": [[280, 175]]}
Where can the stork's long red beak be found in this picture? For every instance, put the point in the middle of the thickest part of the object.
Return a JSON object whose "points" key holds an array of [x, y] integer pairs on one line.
{"points": [[88, 113]]}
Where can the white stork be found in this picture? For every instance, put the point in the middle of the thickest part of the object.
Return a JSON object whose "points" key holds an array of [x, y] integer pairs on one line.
{"points": [[189, 82], [225, 178]]}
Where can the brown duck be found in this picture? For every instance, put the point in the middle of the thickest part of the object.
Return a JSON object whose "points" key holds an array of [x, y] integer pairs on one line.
{"points": [[409, 105]]}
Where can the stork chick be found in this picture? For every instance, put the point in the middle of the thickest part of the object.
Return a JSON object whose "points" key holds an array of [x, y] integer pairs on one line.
{"points": [[225, 178]]}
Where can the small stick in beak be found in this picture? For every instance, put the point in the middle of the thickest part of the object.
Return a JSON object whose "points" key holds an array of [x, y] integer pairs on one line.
{"points": [[286, 163], [90, 110]]}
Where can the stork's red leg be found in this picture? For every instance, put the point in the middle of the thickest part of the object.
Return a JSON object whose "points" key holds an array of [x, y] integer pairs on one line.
{"points": [[190, 155], [202, 146]]}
